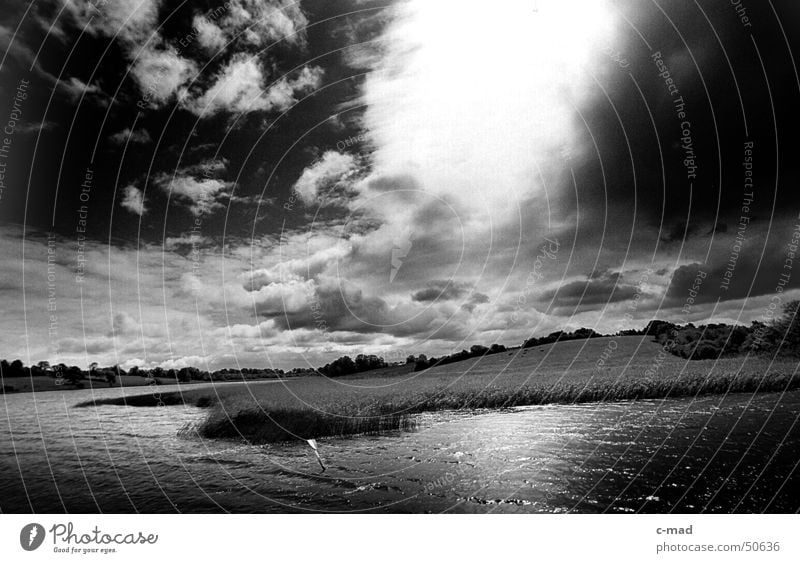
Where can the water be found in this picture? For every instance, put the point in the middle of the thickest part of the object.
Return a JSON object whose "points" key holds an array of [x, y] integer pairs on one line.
{"points": [[714, 454]]}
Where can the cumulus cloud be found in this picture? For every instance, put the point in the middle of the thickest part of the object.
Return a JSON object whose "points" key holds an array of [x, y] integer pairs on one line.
{"points": [[327, 173], [260, 23], [157, 67], [240, 87], [455, 162], [132, 21], [159, 70], [209, 35], [161, 73], [133, 200], [202, 195]]}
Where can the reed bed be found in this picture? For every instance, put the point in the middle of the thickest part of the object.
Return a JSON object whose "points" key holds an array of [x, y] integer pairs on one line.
{"points": [[264, 425]]}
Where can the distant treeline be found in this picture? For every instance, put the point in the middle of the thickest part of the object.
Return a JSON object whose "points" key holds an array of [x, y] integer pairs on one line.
{"points": [[74, 375], [561, 336], [421, 362], [347, 366], [780, 337]]}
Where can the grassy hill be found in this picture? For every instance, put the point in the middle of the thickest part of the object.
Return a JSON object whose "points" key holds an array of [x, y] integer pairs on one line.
{"points": [[601, 369]]}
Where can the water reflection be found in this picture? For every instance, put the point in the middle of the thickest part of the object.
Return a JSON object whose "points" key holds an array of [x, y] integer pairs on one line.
{"points": [[734, 454]]}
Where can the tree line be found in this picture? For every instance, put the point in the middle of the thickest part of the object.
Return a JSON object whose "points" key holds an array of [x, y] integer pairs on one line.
{"points": [[779, 337], [74, 375]]}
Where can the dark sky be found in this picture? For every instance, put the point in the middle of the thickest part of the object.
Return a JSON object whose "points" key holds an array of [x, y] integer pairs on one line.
{"points": [[279, 183]]}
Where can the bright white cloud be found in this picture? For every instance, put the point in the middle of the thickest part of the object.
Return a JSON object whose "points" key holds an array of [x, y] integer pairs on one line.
{"points": [[473, 104], [132, 21], [241, 87], [260, 22], [209, 35], [161, 72], [331, 170], [133, 200]]}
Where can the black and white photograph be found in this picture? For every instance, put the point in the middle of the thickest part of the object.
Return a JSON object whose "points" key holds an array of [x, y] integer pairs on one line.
{"points": [[404, 257]]}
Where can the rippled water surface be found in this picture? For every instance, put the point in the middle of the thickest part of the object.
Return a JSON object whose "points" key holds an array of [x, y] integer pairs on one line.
{"points": [[734, 454]]}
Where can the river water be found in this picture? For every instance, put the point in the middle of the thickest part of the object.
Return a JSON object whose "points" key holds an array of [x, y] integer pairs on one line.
{"points": [[738, 453]]}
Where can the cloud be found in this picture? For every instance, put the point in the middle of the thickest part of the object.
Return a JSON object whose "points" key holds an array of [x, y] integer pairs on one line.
{"points": [[324, 175], [133, 200], [194, 240], [157, 67], [140, 136], [483, 143], [240, 87], [71, 87], [35, 127], [161, 73], [598, 289], [475, 300], [132, 21], [209, 35], [207, 167], [76, 88], [734, 276], [441, 290], [260, 23], [201, 195]]}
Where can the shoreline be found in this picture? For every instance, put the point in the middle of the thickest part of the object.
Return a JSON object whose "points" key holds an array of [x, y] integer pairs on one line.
{"points": [[46, 384]]}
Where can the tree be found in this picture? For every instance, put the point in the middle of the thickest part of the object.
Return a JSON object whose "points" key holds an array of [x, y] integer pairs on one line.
{"points": [[185, 375], [478, 350], [343, 366], [73, 375], [659, 329], [788, 328], [761, 339], [16, 369]]}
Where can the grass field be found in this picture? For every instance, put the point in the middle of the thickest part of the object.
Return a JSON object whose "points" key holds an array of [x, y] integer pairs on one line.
{"points": [[602, 369]]}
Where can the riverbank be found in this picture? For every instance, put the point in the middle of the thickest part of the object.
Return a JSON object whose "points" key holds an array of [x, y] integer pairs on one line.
{"points": [[42, 383], [596, 370]]}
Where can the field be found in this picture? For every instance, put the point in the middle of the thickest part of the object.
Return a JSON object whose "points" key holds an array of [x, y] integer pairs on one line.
{"points": [[602, 369]]}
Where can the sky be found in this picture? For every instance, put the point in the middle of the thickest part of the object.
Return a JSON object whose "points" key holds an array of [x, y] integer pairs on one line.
{"points": [[277, 184]]}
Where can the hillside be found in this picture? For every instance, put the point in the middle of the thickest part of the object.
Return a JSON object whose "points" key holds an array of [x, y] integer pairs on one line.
{"points": [[636, 354]]}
